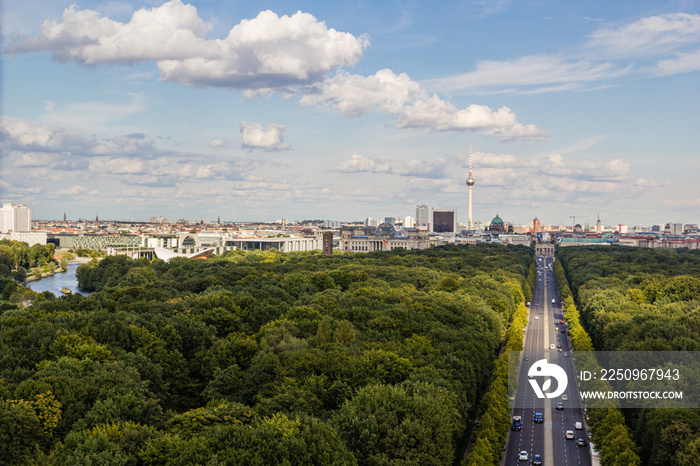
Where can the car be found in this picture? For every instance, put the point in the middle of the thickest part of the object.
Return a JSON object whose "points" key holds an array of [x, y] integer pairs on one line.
{"points": [[566, 354], [558, 346], [565, 397], [578, 425], [537, 317], [569, 434], [556, 328], [581, 442], [541, 312], [504, 447], [537, 459], [562, 330], [523, 456], [527, 358], [560, 405], [511, 398], [561, 321], [552, 346]]}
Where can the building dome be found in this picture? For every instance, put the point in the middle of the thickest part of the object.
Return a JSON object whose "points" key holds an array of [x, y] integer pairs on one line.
{"points": [[385, 229], [497, 221]]}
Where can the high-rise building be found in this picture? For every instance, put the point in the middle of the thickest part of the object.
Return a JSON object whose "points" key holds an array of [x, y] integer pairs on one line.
{"points": [[470, 183], [408, 222], [676, 228], [423, 217], [372, 222], [536, 226], [444, 221], [15, 218]]}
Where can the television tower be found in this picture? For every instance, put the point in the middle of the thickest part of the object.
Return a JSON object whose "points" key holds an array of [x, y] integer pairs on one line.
{"points": [[470, 183]]}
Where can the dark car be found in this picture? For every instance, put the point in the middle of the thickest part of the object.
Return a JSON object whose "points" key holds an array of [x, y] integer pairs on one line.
{"points": [[537, 459], [581, 442]]}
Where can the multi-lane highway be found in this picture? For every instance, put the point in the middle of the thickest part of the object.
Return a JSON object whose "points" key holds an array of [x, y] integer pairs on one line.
{"points": [[546, 338]]}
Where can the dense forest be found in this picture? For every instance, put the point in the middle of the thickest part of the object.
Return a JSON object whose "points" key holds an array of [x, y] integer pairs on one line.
{"points": [[632, 299], [260, 358]]}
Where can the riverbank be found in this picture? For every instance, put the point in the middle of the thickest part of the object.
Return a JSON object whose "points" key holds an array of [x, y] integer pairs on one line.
{"points": [[56, 282], [77, 260]]}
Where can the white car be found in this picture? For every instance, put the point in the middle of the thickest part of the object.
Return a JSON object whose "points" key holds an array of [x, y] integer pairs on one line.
{"points": [[552, 346], [569, 434], [523, 454]]}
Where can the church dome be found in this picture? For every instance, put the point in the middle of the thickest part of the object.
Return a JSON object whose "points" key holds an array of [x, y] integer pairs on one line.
{"points": [[497, 220]]}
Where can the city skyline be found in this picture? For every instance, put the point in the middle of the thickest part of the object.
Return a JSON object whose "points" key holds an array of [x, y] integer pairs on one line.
{"points": [[346, 111]]}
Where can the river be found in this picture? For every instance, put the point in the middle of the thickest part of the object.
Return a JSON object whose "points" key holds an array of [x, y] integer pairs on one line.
{"points": [[56, 282]]}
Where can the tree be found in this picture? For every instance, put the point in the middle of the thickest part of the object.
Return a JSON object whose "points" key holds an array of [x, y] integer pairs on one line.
{"points": [[20, 432], [20, 274], [412, 424]]}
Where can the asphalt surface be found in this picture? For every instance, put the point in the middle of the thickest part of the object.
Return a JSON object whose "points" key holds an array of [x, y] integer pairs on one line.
{"points": [[547, 438]]}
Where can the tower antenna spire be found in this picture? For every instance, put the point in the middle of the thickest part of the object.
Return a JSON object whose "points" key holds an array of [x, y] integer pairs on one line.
{"points": [[470, 183]]}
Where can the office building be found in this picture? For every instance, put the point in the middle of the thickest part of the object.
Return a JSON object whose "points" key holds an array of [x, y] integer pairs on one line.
{"points": [[444, 221]]}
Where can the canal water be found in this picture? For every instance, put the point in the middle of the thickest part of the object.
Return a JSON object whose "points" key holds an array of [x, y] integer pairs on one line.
{"points": [[58, 281]]}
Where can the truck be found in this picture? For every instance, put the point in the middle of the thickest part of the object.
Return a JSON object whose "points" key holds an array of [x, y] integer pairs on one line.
{"points": [[517, 423], [538, 417]]}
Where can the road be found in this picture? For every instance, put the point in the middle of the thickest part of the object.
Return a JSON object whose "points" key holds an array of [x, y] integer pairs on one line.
{"points": [[547, 438]]}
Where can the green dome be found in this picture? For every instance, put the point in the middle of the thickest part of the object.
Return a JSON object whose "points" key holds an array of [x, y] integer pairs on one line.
{"points": [[497, 220]]}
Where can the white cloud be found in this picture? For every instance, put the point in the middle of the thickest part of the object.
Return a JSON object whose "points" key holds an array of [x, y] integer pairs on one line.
{"points": [[72, 191], [93, 116], [32, 159], [422, 168], [268, 51], [356, 95], [598, 60], [533, 70], [255, 136], [388, 92], [117, 165], [609, 171], [682, 63], [648, 36], [440, 115], [218, 142]]}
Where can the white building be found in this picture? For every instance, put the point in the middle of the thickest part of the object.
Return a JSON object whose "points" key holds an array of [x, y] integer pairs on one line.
{"points": [[422, 217], [383, 238], [15, 218], [523, 240]]}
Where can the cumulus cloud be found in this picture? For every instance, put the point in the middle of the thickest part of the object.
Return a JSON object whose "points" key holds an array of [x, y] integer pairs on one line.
{"points": [[610, 171], [37, 150], [424, 168], [255, 136], [268, 51], [388, 92], [440, 115], [356, 95]]}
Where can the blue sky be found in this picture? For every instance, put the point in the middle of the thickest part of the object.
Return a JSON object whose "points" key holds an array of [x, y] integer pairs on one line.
{"points": [[346, 110]]}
